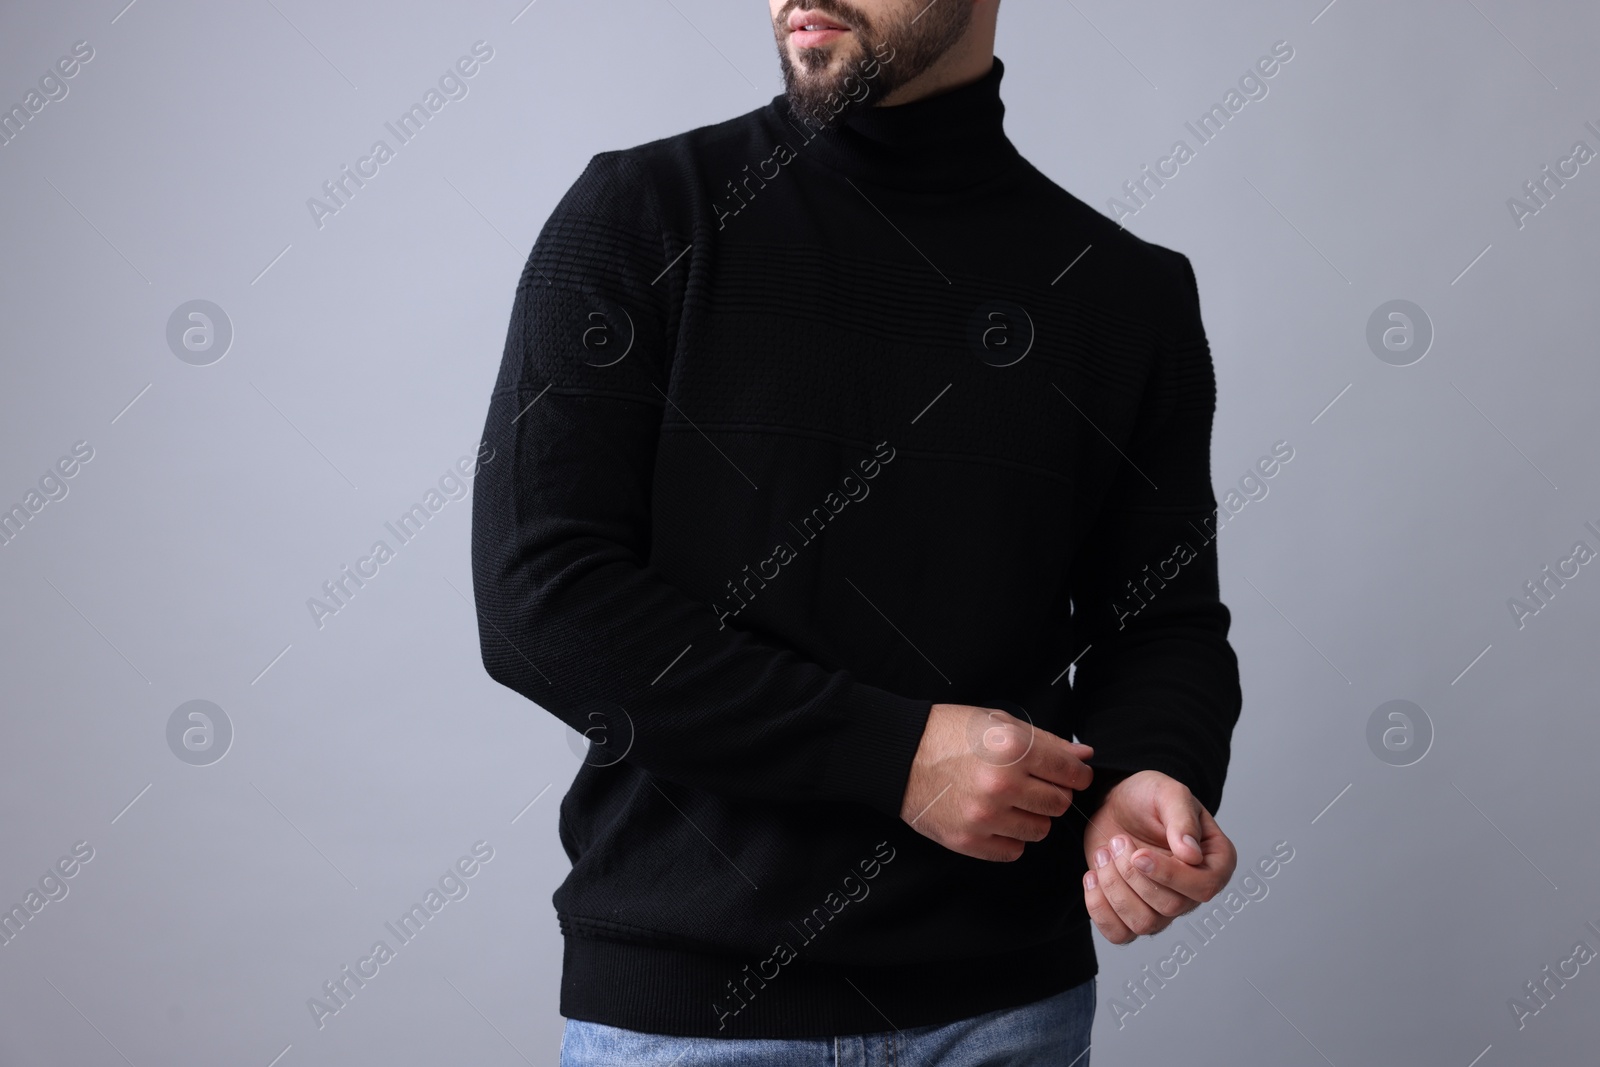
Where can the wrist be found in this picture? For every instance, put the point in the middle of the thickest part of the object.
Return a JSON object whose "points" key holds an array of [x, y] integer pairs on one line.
{"points": [[1088, 801]]}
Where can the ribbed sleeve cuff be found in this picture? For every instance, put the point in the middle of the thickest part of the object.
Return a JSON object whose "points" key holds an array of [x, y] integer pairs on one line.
{"points": [[870, 761]]}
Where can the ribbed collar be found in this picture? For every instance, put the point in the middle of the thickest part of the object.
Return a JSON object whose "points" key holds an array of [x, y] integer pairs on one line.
{"points": [[947, 141]]}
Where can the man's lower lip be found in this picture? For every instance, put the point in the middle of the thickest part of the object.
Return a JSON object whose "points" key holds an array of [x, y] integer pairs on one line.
{"points": [[813, 38]]}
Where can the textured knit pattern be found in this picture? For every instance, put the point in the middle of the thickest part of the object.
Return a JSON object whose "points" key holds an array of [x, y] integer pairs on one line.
{"points": [[787, 452]]}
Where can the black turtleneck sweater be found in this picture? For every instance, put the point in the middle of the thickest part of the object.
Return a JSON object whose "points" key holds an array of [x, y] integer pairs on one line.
{"points": [[797, 433]]}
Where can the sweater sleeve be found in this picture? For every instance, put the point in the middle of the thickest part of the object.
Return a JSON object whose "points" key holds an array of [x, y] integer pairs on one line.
{"points": [[571, 614], [1158, 686]]}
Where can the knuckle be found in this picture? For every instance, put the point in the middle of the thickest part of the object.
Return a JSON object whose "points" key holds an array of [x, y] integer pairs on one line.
{"points": [[1000, 741], [1171, 909]]}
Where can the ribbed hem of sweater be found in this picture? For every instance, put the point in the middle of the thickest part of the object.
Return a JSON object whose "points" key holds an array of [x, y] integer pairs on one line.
{"points": [[665, 990]]}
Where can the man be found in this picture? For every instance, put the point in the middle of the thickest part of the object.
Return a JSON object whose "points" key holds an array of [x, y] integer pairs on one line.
{"points": [[828, 438]]}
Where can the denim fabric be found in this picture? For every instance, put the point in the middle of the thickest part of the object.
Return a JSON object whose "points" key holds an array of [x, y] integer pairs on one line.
{"points": [[1053, 1032]]}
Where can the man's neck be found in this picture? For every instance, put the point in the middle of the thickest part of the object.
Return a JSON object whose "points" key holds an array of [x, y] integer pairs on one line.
{"points": [[960, 66]]}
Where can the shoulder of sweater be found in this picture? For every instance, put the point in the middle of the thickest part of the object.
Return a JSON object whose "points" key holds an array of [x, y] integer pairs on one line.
{"points": [[1105, 233], [673, 162], [1159, 280]]}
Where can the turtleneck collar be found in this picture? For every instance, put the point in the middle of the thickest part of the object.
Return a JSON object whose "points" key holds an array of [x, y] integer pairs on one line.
{"points": [[948, 141]]}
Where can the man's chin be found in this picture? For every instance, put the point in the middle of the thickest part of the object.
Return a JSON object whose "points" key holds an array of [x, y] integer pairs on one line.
{"points": [[821, 93], [818, 109]]}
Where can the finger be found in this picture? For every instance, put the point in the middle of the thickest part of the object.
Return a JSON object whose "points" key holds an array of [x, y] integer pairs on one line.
{"points": [[1220, 854], [996, 815], [1059, 761], [1101, 828], [1161, 885], [1179, 812], [1021, 825], [1101, 912], [1043, 798], [997, 848], [1155, 897], [1203, 881], [1130, 908]]}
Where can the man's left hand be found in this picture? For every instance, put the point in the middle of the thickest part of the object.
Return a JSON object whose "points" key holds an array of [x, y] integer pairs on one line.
{"points": [[1160, 826]]}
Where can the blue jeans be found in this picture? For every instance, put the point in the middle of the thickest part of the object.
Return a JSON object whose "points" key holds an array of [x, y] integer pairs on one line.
{"points": [[1053, 1032]]}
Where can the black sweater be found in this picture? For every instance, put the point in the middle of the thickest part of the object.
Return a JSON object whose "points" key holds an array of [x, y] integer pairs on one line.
{"points": [[797, 433]]}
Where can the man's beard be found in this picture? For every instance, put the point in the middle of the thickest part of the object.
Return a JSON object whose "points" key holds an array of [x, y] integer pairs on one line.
{"points": [[826, 83]]}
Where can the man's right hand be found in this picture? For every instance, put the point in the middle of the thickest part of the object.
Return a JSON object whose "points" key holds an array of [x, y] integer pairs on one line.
{"points": [[985, 783]]}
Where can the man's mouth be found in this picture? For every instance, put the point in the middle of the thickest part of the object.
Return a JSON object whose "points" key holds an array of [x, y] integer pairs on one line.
{"points": [[809, 30]]}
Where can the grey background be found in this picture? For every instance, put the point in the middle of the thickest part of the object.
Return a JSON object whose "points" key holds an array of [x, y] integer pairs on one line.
{"points": [[370, 754]]}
